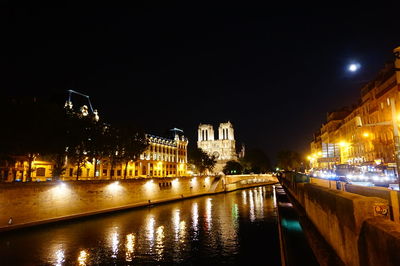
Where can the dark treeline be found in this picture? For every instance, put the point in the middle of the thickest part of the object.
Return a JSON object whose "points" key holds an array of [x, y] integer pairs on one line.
{"points": [[255, 161], [43, 127]]}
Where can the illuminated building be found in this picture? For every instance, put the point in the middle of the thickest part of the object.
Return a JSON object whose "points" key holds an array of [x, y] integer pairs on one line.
{"points": [[164, 157], [363, 136], [223, 148]]}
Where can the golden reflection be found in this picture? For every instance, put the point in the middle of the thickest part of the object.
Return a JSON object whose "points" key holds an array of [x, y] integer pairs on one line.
{"points": [[182, 231], [129, 246], [251, 201], [160, 242], [82, 259], [150, 230], [175, 221], [274, 196], [208, 213], [235, 213], [60, 258], [160, 236], [195, 217], [114, 244], [259, 203], [244, 197]]}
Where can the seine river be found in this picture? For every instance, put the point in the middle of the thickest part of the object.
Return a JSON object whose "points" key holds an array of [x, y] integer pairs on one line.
{"points": [[236, 228]]}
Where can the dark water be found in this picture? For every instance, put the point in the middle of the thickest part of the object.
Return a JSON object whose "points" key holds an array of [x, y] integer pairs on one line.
{"points": [[236, 228], [294, 242]]}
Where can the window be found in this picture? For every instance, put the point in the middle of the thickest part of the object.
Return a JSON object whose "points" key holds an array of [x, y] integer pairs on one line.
{"points": [[136, 172], [130, 172], [87, 172], [71, 171], [104, 172], [111, 172], [118, 172], [41, 171]]}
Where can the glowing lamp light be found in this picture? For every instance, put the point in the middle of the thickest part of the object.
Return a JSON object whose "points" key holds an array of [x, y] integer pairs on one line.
{"points": [[366, 135], [175, 182], [61, 190], [114, 187], [343, 144], [149, 184]]}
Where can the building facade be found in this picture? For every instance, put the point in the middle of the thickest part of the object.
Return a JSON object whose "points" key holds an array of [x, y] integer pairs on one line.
{"points": [[164, 157], [223, 148], [364, 134]]}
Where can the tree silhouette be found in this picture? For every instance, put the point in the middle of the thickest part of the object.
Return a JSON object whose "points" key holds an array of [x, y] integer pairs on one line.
{"points": [[201, 160], [233, 167], [256, 161], [289, 160]]}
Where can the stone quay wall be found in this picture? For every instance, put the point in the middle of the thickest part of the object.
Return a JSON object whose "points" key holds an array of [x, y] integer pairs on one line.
{"points": [[28, 204], [358, 228]]}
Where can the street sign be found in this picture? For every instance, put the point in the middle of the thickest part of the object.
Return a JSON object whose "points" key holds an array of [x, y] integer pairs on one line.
{"points": [[381, 209]]}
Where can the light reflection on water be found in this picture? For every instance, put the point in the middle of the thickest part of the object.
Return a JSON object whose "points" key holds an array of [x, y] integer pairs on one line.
{"points": [[59, 257], [200, 230], [208, 213], [129, 247], [160, 242], [82, 259]]}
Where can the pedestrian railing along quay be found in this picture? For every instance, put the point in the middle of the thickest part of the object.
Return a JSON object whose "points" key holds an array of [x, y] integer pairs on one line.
{"points": [[357, 225]]}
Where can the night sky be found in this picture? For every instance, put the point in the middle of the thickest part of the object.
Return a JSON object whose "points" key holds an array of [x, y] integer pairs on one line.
{"points": [[273, 72]]}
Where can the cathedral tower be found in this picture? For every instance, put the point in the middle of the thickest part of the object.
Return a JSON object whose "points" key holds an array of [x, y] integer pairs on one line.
{"points": [[205, 132], [223, 148], [225, 131]]}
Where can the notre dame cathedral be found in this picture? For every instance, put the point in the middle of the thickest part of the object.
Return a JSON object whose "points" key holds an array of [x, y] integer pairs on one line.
{"points": [[223, 148]]}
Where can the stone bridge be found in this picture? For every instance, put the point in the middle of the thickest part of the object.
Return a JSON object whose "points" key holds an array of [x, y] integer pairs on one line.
{"points": [[233, 182]]}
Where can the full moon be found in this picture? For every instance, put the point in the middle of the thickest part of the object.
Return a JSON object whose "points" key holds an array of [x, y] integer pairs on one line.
{"points": [[354, 67]]}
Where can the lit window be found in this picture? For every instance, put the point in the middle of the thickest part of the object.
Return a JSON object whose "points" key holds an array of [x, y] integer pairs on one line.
{"points": [[41, 171]]}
